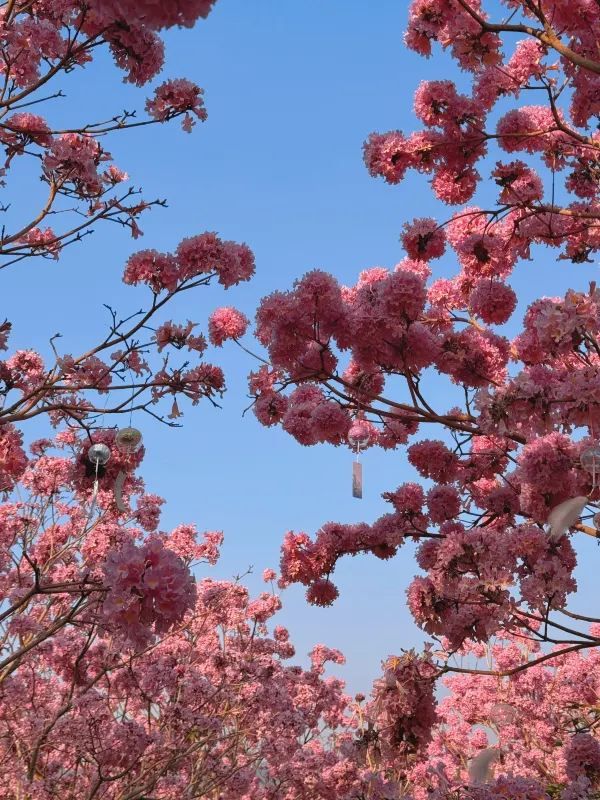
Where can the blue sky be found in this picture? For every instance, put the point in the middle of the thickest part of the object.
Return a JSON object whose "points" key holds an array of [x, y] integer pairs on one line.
{"points": [[292, 91]]}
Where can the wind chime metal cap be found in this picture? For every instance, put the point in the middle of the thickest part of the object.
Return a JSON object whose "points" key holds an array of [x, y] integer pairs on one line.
{"points": [[128, 440], [359, 434], [99, 454], [358, 441]]}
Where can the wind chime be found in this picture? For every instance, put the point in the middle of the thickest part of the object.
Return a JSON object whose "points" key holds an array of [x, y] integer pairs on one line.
{"points": [[127, 441], [358, 438], [590, 461], [567, 513], [98, 457]]}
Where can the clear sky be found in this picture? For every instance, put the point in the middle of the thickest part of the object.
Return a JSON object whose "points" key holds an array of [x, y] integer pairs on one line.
{"points": [[292, 91]]}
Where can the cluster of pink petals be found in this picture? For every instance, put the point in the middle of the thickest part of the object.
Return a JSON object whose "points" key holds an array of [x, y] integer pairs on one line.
{"points": [[73, 158], [13, 460], [520, 183], [226, 323], [205, 254], [179, 336], [322, 592], [582, 756], [155, 14], [403, 706], [176, 97], [24, 370], [311, 418], [28, 43], [23, 128], [452, 26], [455, 136], [203, 380], [492, 301], [42, 242], [149, 590], [423, 239], [185, 541]]}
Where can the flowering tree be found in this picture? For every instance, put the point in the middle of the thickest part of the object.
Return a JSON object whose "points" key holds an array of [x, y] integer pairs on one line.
{"points": [[40, 42], [511, 471], [122, 677], [538, 726], [536, 729]]}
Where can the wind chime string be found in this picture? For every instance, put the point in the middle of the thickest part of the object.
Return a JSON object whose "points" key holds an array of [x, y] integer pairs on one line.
{"points": [[131, 378]]}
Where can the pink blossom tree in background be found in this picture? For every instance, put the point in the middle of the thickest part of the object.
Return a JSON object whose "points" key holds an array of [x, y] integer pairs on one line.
{"points": [[510, 471], [121, 677]]}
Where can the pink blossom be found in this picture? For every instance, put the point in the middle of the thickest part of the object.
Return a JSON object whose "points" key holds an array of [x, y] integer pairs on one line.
{"points": [[520, 184], [433, 460], [226, 323], [13, 460], [23, 128], [424, 239], [492, 301], [582, 756], [149, 590], [158, 270], [74, 158], [26, 369], [175, 97], [321, 593], [179, 336], [443, 503], [206, 254], [270, 407], [42, 242]]}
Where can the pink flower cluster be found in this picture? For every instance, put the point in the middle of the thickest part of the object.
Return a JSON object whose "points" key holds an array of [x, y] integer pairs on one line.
{"points": [[205, 254], [179, 336], [74, 159], [424, 239], [226, 323], [311, 418], [149, 590], [42, 242], [13, 460], [455, 137], [176, 97], [492, 301], [156, 15], [582, 756], [403, 707]]}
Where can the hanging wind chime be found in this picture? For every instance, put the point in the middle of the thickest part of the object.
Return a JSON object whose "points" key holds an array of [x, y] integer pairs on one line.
{"points": [[567, 513], [358, 438], [98, 457], [127, 441], [590, 461]]}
